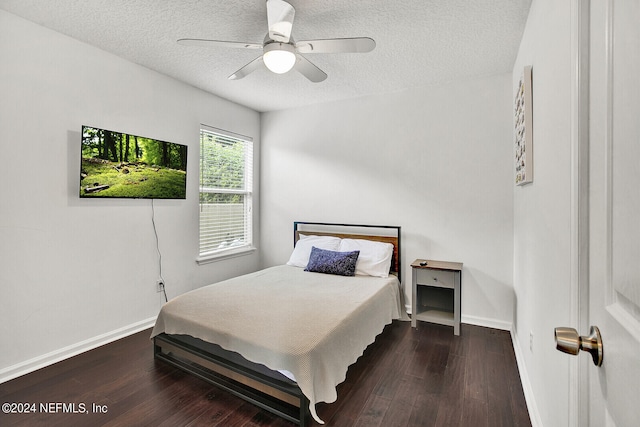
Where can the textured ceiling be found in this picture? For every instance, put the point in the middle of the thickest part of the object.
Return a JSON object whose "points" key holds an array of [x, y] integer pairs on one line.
{"points": [[418, 42]]}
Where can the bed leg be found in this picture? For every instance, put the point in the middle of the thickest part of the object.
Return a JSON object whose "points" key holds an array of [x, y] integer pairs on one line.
{"points": [[305, 413], [157, 349]]}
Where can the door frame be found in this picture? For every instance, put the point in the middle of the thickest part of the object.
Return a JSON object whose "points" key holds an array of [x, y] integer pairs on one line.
{"points": [[579, 204]]}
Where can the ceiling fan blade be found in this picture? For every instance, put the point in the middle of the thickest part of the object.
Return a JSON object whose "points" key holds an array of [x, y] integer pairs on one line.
{"points": [[218, 43], [348, 45], [280, 16], [249, 68], [309, 70]]}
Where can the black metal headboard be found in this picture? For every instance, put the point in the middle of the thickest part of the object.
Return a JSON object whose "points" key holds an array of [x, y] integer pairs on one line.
{"points": [[380, 233]]}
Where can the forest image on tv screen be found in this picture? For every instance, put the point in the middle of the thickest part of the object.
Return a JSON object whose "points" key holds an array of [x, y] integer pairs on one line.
{"points": [[116, 164]]}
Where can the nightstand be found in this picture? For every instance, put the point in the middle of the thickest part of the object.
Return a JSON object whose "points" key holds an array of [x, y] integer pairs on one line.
{"points": [[435, 293]]}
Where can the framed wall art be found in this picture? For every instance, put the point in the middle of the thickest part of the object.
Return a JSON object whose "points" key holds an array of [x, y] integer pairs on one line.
{"points": [[523, 112]]}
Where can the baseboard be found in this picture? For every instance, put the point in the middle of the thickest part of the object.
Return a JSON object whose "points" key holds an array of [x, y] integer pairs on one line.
{"points": [[50, 358], [478, 321], [534, 415], [487, 323]]}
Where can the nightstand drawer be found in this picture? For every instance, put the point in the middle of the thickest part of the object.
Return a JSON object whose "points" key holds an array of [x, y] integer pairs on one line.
{"points": [[439, 278]]}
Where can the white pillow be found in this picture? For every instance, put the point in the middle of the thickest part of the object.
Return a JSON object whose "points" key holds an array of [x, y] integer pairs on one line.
{"points": [[302, 250], [374, 258]]}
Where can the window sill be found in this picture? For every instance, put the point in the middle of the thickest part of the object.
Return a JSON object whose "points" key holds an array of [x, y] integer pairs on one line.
{"points": [[222, 255]]}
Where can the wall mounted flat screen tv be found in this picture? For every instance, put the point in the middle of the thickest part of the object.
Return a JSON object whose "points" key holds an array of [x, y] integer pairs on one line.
{"points": [[120, 165]]}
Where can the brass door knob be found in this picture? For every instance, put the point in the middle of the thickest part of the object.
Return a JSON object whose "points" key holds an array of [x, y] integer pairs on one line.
{"points": [[568, 341]]}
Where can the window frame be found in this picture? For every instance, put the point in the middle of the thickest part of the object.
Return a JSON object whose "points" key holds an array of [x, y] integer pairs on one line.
{"points": [[247, 192]]}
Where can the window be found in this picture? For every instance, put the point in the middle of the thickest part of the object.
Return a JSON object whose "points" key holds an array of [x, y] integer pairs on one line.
{"points": [[226, 184]]}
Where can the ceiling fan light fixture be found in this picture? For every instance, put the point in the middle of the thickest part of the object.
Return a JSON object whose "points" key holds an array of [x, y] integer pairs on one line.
{"points": [[279, 57]]}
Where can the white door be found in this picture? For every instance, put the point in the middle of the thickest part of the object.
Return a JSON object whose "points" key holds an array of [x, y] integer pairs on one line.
{"points": [[614, 212]]}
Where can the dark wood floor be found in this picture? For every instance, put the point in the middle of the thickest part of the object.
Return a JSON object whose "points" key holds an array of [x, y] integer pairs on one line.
{"points": [[426, 377]]}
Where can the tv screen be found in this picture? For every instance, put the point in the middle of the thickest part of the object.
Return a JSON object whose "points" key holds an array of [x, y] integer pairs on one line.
{"points": [[116, 164]]}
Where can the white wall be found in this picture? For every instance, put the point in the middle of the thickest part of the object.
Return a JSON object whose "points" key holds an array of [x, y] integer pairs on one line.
{"points": [[76, 272], [542, 213], [436, 161]]}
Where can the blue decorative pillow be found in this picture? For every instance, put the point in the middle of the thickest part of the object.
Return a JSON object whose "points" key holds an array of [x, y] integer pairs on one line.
{"points": [[332, 262]]}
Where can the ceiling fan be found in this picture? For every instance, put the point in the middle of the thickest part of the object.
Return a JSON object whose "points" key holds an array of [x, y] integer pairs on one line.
{"points": [[280, 53]]}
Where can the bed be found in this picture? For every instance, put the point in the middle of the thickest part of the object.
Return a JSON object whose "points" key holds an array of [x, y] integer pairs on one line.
{"points": [[283, 337]]}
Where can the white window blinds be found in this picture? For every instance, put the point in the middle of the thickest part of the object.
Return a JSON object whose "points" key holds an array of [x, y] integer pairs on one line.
{"points": [[226, 185]]}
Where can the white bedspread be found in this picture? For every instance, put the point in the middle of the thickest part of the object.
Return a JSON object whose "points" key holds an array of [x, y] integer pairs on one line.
{"points": [[310, 324]]}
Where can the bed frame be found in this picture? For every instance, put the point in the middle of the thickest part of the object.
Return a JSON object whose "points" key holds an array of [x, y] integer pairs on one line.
{"points": [[253, 382]]}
